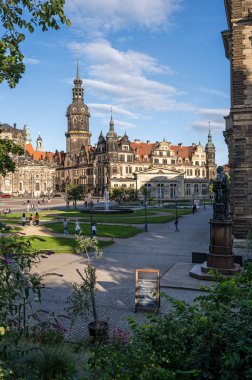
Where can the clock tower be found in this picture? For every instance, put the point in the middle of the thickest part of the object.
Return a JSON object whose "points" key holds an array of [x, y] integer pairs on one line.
{"points": [[77, 119]]}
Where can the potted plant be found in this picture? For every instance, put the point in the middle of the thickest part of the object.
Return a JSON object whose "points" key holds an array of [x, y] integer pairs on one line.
{"points": [[83, 298]]}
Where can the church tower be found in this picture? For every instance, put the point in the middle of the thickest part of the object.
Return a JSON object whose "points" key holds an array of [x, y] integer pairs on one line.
{"points": [[77, 119], [210, 157], [39, 144], [111, 136]]}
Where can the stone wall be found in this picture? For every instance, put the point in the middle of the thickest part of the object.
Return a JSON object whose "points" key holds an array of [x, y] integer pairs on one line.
{"points": [[239, 127]]}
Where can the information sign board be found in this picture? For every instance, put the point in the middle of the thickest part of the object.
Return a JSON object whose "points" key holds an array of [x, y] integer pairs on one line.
{"points": [[147, 292]]}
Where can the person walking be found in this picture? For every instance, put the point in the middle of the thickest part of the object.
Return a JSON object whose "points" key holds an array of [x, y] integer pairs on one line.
{"points": [[77, 227], [93, 230], [176, 225], [36, 219], [23, 219], [65, 225]]}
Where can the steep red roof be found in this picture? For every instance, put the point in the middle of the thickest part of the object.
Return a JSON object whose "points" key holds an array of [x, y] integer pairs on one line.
{"points": [[146, 149], [183, 151], [142, 148], [37, 156]]}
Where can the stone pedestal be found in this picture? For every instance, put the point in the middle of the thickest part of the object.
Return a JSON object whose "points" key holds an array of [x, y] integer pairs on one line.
{"points": [[220, 256]]}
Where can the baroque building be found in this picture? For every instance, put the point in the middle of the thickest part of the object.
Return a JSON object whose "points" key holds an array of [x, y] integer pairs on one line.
{"points": [[35, 170], [238, 133], [168, 170]]}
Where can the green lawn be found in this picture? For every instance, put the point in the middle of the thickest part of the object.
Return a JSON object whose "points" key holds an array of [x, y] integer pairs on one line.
{"points": [[138, 217], [114, 231], [56, 244]]}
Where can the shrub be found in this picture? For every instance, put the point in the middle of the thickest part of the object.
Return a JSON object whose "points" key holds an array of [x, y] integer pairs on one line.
{"points": [[211, 339]]}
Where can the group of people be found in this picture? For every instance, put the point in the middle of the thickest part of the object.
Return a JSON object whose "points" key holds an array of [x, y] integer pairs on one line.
{"points": [[33, 220], [6, 211], [78, 228]]}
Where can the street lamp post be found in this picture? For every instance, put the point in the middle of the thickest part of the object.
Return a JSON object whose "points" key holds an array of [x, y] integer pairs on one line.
{"points": [[91, 205], [176, 207], [145, 213]]}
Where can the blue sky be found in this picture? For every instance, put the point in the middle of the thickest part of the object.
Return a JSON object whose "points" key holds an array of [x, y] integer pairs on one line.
{"points": [[159, 63]]}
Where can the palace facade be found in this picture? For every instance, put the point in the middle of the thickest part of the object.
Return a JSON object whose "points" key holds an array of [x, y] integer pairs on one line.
{"points": [[35, 170], [168, 171]]}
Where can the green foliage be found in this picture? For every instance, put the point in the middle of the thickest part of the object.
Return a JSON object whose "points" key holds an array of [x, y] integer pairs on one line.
{"points": [[19, 286], [112, 231], [7, 149], [121, 194], [75, 193], [54, 363], [17, 19], [82, 300], [211, 339]]}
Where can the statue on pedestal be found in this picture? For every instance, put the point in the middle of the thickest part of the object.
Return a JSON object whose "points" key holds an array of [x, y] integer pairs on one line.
{"points": [[221, 195]]}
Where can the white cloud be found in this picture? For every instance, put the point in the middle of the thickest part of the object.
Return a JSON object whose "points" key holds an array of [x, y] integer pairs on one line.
{"points": [[203, 125], [214, 92], [123, 77], [214, 111], [105, 110], [214, 116], [124, 125], [31, 61], [105, 15]]}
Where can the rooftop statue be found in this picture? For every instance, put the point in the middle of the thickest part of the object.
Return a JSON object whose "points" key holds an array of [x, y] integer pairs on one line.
{"points": [[221, 195]]}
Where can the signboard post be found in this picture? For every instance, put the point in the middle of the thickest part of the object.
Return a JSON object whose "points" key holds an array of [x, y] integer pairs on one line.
{"points": [[147, 292]]}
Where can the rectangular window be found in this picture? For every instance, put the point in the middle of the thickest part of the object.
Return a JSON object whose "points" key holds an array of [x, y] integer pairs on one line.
{"points": [[37, 186], [130, 169], [196, 188], [156, 161], [173, 162], [188, 189], [165, 162], [122, 158]]}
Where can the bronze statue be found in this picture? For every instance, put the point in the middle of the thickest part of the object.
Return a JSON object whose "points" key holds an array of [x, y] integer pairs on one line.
{"points": [[221, 195]]}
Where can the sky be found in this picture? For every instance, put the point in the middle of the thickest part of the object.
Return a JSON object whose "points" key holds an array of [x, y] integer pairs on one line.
{"points": [[160, 65]]}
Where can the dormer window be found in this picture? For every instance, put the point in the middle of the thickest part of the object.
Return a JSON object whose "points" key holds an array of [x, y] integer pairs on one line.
{"points": [[125, 147]]}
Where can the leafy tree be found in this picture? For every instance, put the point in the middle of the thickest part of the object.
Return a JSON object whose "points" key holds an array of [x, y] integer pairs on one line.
{"points": [[17, 18], [121, 194], [8, 148], [75, 193]]}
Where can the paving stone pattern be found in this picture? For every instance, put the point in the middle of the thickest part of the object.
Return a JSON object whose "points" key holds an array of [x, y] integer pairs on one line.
{"points": [[160, 248]]}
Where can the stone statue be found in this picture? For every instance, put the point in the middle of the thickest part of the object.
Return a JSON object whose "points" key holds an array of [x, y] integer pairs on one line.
{"points": [[221, 194]]}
